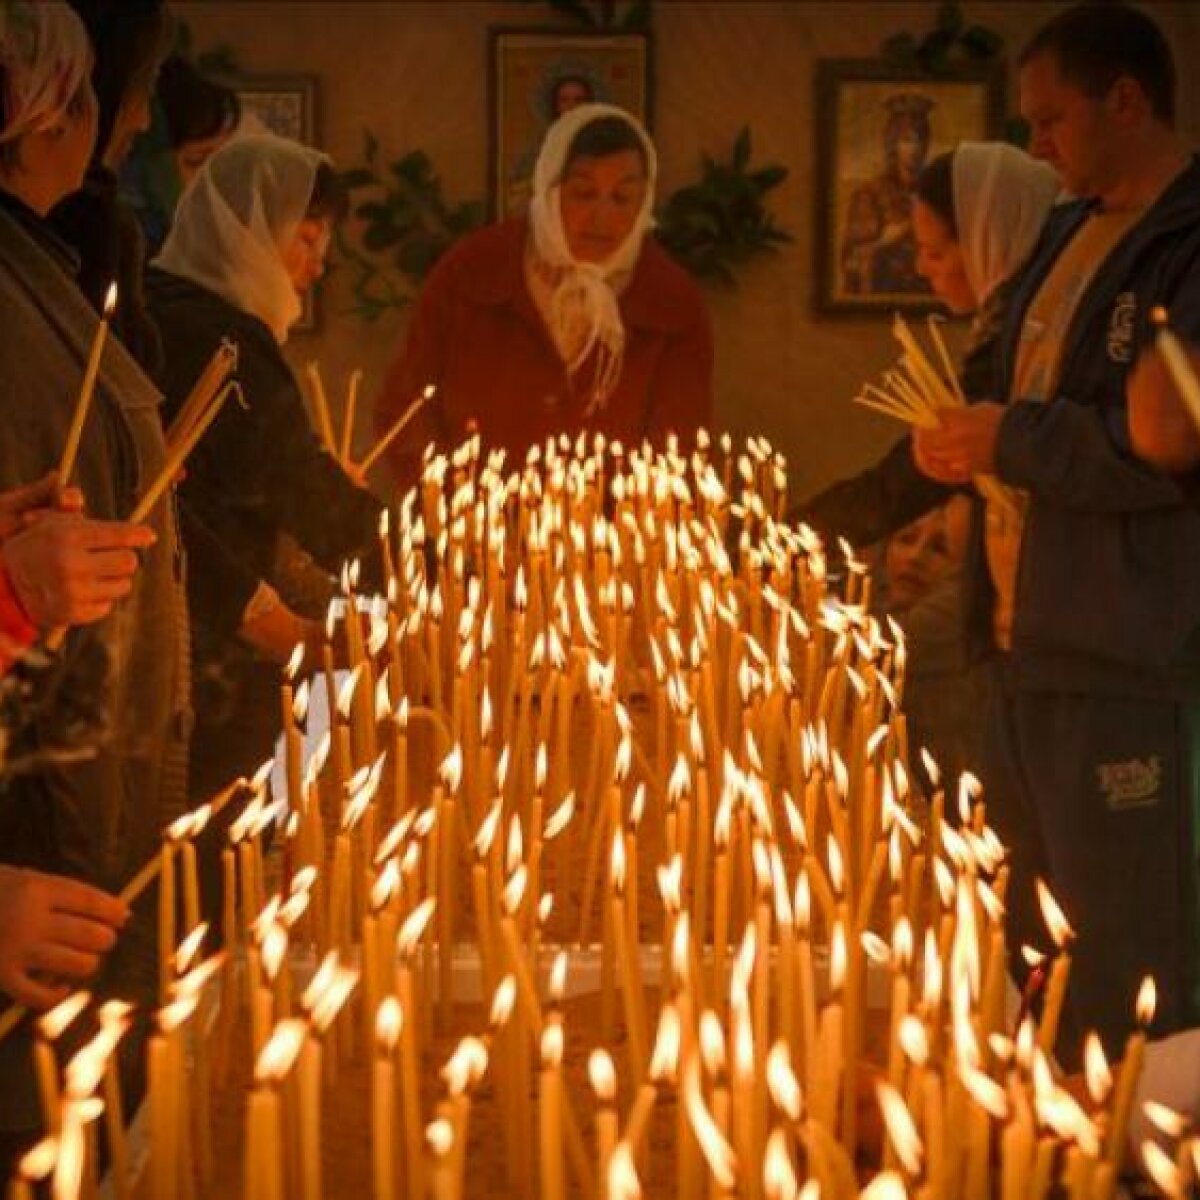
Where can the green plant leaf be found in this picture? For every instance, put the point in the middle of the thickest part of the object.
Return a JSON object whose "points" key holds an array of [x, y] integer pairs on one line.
{"points": [[950, 17], [900, 49], [769, 177], [358, 177], [981, 43], [741, 149], [637, 17], [576, 10]]}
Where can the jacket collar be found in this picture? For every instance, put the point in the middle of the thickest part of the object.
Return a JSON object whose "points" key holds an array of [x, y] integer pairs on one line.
{"points": [[497, 278], [1177, 208]]}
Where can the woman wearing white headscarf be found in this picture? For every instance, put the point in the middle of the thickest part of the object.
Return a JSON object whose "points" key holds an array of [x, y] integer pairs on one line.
{"points": [[249, 239], [977, 215], [572, 318], [107, 721]]}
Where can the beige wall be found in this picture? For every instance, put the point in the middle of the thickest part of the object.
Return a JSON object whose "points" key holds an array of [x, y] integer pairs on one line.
{"points": [[415, 73]]}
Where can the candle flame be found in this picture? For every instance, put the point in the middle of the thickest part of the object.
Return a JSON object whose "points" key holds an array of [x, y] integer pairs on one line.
{"points": [[914, 1040], [414, 927], [53, 1024], [439, 1136], [664, 1060], [887, 1185], [617, 862], [712, 1043], [1056, 921], [1096, 1070], [503, 1000], [1166, 1120], [186, 951], [716, 1150], [1147, 1002], [389, 1021], [274, 949], [279, 1055], [622, 1182], [37, 1163], [782, 1081], [837, 957], [514, 891], [901, 1129], [560, 818], [552, 1045], [602, 1076], [1161, 1169]]}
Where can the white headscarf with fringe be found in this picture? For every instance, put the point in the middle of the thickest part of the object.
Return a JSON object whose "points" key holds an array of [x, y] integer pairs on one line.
{"points": [[46, 56], [235, 220], [583, 311]]}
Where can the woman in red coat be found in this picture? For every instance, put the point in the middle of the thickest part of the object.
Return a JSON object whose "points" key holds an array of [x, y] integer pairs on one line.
{"points": [[567, 320]]}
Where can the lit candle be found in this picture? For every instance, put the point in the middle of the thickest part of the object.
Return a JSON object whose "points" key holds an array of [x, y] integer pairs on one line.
{"points": [[66, 466]]}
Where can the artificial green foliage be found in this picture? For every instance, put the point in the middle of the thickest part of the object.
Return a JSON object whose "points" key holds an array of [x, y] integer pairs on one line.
{"points": [[607, 15], [950, 46], [405, 225], [718, 224]]}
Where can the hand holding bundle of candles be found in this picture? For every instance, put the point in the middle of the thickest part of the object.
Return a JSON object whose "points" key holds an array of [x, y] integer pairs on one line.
{"points": [[915, 391], [610, 878]]}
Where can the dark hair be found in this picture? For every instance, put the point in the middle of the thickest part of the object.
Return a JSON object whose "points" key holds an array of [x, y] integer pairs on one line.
{"points": [[129, 39], [602, 137], [935, 188], [1094, 44], [194, 107], [329, 199]]}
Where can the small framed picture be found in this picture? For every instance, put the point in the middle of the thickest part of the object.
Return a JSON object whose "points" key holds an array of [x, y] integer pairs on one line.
{"points": [[877, 127], [285, 105], [535, 76]]}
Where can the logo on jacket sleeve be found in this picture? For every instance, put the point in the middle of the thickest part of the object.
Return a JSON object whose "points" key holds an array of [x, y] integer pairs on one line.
{"points": [[1120, 328]]}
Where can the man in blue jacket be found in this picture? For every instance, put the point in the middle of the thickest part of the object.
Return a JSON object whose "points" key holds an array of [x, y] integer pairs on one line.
{"points": [[1095, 571]]}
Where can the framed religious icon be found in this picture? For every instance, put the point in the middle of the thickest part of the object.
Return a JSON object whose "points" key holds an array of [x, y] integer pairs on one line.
{"points": [[534, 77], [285, 105], [877, 127]]}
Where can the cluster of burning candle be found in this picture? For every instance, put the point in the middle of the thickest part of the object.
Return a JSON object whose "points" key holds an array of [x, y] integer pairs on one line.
{"points": [[617, 716]]}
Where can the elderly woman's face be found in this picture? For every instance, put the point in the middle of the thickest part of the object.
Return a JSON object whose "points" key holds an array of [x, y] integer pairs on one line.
{"points": [[600, 199]]}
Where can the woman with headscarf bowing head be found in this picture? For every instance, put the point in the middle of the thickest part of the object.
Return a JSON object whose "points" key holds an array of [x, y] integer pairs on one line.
{"points": [[572, 318], [977, 214], [249, 239]]}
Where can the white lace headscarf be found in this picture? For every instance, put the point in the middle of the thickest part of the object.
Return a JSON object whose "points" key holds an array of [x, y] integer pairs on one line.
{"points": [[1001, 199], [234, 221], [46, 55], [584, 310]]}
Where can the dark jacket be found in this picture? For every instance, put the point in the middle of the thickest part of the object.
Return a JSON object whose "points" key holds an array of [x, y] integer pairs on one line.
{"points": [[1108, 584], [258, 472], [260, 469], [104, 232], [119, 689]]}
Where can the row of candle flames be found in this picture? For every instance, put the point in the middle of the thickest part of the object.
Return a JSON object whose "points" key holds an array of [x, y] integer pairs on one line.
{"points": [[602, 655]]}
